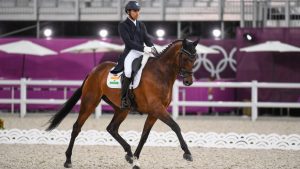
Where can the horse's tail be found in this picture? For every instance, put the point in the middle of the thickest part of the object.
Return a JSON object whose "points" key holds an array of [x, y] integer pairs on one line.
{"points": [[67, 107]]}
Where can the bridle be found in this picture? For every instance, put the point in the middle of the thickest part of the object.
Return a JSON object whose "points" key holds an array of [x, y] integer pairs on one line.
{"points": [[191, 57]]}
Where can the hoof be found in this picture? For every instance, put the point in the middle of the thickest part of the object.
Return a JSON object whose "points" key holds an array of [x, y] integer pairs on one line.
{"points": [[135, 167], [128, 159], [136, 164], [188, 157], [68, 165]]}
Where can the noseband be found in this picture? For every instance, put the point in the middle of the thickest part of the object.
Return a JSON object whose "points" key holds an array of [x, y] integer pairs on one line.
{"points": [[192, 57]]}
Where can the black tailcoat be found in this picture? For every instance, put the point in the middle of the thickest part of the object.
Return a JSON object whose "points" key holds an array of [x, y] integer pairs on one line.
{"points": [[134, 37]]}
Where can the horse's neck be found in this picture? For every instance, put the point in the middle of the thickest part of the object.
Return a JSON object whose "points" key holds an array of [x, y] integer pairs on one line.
{"points": [[170, 56], [169, 63]]}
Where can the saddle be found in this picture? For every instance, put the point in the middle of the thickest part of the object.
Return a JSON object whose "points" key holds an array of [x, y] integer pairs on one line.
{"points": [[114, 80]]}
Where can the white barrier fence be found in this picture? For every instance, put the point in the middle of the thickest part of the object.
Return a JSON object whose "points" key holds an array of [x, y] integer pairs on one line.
{"points": [[254, 104], [23, 100]]}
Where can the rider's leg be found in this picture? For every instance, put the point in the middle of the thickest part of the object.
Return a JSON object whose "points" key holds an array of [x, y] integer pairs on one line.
{"points": [[124, 92], [133, 54]]}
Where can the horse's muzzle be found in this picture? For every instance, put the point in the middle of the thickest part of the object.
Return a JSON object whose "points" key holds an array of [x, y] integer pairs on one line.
{"points": [[187, 82]]}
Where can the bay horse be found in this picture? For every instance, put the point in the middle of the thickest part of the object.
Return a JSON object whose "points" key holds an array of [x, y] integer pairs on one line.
{"points": [[152, 96]]}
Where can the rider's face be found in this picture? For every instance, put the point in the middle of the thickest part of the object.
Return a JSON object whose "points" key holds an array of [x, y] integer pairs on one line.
{"points": [[134, 14]]}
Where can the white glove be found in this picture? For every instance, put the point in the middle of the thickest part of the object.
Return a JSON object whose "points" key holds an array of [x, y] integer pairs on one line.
{"points": [[153, 50], [147, 49]]}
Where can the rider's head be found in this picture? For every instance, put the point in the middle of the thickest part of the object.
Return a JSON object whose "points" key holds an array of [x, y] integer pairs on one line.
{"points": [[132, 8]]}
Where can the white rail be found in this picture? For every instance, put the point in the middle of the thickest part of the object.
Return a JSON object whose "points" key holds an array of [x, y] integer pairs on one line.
{"points": [[254, 104], [23, 101]]}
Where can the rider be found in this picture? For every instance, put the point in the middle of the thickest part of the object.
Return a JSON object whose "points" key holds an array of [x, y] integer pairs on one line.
{"points": [[134, 35]]}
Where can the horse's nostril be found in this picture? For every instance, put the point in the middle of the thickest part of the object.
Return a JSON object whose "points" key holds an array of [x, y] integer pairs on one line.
{"points": [[187, 82]]}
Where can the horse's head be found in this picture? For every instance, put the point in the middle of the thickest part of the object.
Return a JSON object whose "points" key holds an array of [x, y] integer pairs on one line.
{"points": [[187, 58]]}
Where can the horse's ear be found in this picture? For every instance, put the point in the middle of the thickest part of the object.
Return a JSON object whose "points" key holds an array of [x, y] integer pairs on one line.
{"points": [[195, 43]]}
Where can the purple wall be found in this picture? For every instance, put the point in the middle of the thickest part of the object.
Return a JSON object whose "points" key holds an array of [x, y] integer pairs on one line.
{"points": [[269, 66], [63, 66], [76, 66]]}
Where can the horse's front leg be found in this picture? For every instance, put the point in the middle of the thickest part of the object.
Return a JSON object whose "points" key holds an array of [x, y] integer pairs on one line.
{"points": [[147, 128], [165, 117]]}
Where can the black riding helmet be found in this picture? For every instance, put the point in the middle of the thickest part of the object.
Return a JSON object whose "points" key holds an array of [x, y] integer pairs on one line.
{"points": [[132, 5]]}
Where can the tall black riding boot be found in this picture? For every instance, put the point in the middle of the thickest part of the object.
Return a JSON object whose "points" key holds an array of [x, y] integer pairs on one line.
{"points": [[125, 102]]}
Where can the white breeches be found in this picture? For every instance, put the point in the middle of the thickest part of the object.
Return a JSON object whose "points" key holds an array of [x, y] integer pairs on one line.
{"points": [[133, 54]]}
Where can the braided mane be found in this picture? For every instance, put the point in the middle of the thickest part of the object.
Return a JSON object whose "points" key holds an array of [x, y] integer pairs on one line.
{"points": [[167, 48]]}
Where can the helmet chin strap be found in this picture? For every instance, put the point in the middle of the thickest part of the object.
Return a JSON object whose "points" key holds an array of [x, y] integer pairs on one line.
{"points": [[128, 13], [130, 17]]}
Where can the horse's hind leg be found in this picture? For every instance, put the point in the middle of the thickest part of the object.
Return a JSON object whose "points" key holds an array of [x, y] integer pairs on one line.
{"points": [[88, 105], [113, 128]]}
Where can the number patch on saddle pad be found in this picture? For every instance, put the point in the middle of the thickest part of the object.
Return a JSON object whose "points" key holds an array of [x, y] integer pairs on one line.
{"points": [[114, 81]]}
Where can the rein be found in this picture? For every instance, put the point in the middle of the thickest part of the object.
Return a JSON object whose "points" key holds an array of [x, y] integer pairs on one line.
{"points": [[182, 71]]}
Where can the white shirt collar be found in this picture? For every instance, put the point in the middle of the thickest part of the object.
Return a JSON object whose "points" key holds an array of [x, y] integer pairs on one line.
{"points": [[134, 21]]}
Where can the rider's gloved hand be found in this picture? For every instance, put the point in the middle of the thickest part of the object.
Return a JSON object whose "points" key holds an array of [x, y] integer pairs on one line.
{"points": [[147, 49]]}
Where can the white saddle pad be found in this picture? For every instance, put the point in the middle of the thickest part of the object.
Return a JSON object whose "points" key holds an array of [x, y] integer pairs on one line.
{"points": [[114, 80]]}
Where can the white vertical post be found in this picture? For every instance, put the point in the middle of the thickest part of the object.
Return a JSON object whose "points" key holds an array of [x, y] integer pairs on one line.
{"points": [[76, 10], [23, 91], [287, 13], [265, 9], [184, 99], [242, 14], [178, 29], [120, 9], [65, 93], [12, 98], [254, 100], [162, 10], [35, 13], [98, 111], [175, 97], [254, 14]]}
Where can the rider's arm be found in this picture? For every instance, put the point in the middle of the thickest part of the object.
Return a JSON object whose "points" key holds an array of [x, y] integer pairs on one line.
{"points": [[146, 36], [123, 31]]}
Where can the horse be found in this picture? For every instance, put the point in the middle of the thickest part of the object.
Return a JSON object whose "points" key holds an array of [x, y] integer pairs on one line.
{"points": [[152, 96]]}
